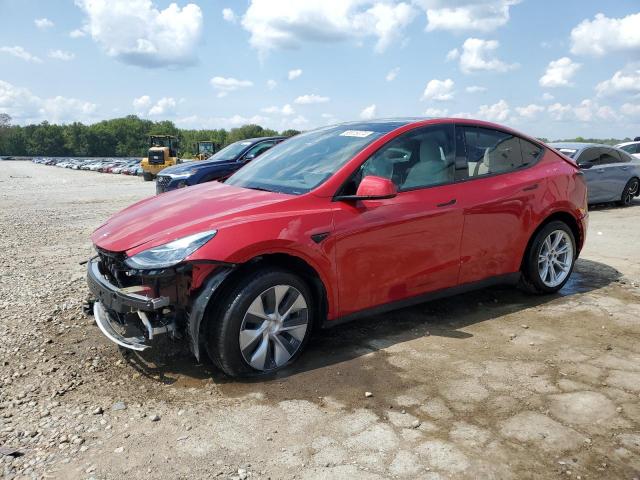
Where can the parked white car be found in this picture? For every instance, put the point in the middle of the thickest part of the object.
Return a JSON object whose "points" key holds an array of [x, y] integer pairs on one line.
{"points": [[630, 147]]}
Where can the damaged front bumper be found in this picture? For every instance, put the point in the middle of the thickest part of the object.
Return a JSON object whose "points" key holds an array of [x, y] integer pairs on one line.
{"points": [[114, 304], [155, 303]]}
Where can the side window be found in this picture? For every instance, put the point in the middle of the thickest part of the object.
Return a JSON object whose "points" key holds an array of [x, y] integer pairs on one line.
{"points": [[590, 156], [530, 152], [633, 148], [258, 149], [420, 158], [490, 151], [607, 157]]}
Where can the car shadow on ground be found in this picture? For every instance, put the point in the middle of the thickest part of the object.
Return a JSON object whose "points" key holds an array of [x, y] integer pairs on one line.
{"points": [[439, 318]]}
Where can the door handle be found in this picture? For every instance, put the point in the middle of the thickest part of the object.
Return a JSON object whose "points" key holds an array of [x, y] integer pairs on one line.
{"points": [[625, 168], [530, 187], [447, 204], [600, 171]]}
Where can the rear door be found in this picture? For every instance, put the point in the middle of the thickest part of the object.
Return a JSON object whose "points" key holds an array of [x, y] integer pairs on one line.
{"points": [[588, 161], [499, 196], [614, 178]]}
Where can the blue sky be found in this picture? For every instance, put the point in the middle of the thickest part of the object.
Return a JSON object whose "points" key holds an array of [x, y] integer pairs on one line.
{"points": [[550, 68]]}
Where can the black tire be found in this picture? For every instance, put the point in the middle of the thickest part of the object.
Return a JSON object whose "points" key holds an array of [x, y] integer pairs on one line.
{"points": [[148, 176], [631, 189], [224, 320], [531, 277]]}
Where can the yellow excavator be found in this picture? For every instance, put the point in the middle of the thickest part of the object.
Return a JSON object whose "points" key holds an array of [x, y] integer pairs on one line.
{"points": [[204, 149], [163, 153]]}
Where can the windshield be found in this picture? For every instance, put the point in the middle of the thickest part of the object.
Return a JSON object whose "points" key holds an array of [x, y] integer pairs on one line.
{"points": [[303, 162], [230, 152]]}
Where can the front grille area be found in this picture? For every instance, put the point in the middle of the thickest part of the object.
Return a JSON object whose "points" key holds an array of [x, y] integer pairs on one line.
{"points": [[162, 182], [114, 268], [156, 158]]}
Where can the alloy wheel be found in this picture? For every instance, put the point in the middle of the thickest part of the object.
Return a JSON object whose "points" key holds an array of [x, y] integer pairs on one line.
{"points": [[630, 192], [274, 327], [555, 258]]}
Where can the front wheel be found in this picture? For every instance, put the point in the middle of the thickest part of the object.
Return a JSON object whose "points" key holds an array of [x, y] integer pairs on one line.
{"points": [[550, 259], [147, 176], [631, 189], [260, 325]]}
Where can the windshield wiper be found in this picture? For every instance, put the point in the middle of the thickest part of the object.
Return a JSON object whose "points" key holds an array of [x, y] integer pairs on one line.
{"points": [[261, 189]]}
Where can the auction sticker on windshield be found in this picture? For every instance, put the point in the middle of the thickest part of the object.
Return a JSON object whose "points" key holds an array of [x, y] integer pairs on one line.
{"points": [[356, 133]]}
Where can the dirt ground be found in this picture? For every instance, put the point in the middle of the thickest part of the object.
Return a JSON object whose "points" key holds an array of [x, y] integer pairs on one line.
{"points": [[493, 384]]}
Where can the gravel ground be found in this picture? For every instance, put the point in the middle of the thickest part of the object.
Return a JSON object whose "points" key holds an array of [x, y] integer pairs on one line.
{"points": [[493, 384]]}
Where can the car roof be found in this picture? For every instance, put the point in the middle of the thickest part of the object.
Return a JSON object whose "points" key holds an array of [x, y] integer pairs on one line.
{"points": [[624, 144], [578, 146]]}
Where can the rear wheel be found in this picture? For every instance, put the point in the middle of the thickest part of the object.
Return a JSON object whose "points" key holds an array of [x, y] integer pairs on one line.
{"points": [[631, 189], [147, 176], [261, 324], [550, 259]]}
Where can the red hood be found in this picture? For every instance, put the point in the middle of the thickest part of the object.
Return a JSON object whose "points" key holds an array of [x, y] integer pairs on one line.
{"points": [[161, 219]]}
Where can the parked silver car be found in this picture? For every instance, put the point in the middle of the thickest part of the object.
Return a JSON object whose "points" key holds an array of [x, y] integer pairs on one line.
{"points": [[630, 147], [612, 174]]}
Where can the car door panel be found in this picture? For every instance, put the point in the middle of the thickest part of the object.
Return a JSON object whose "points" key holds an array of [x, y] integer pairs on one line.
{"points": [[394, 249], [497, 203]]}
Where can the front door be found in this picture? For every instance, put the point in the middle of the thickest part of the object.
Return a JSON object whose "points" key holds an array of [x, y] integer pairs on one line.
{"points": [[393, 249]]}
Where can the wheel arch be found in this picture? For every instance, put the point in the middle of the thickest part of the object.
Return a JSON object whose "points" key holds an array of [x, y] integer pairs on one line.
{"points": [[564, 217], [222, 281]]}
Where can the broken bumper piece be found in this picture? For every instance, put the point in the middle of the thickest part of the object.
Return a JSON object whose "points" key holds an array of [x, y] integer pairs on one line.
{"points": [[108, 328]]}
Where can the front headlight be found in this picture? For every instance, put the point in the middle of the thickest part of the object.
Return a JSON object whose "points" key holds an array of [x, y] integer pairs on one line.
{"points": [[170, 253]]}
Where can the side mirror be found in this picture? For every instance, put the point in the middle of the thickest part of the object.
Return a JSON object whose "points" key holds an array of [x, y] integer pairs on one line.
{"points": [[373, 188], [585, 165], [248, 157]]}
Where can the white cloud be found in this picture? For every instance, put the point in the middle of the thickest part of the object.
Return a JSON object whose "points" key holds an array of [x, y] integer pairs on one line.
{"points": [[145, 107], [586, 111], [142, 104], [436, 112], [560, 112], [293, 74], [164, 106], [25, 107], [631, 109], [530, 111], [453, 55], [311, 99], [271, 84], [77, 33], [439, 90], [478, 55], [229, 15], [286, 110], [61, 55], [288, 24], [547, 97], [559, 73], [621, 82], [498, 112], [136, 32], [369, 112], [226, 85], [43, 23], [475, 89], [20, 53], [466, 15], [603, 35], [393, 73]]}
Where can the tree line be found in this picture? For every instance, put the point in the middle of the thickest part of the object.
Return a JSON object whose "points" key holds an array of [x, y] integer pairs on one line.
{"points": [[119, 137]]}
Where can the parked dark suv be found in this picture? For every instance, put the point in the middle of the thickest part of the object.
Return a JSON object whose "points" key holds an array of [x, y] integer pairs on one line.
{"points": [[220, 165]]}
